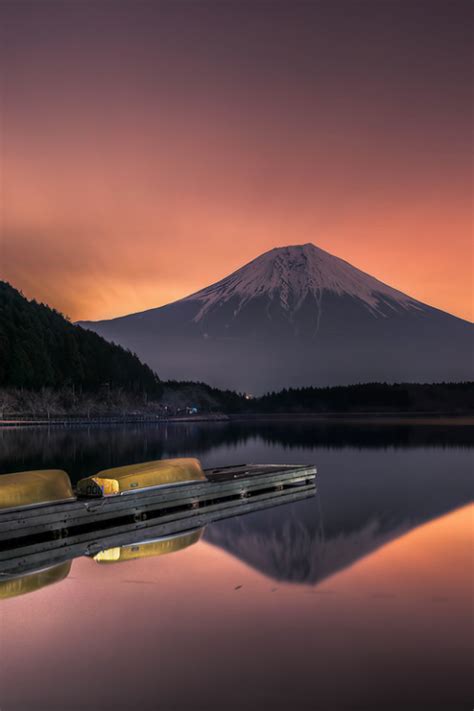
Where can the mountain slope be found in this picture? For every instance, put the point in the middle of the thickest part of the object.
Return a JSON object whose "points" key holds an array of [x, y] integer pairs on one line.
{"points": [[39, 347], [297, 316]]}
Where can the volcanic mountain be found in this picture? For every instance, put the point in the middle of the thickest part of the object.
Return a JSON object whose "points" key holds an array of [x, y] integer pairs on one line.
{"points": [[297, 316]]}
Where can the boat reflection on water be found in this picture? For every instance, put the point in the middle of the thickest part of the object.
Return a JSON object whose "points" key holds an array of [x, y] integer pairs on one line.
{"points": [[33, 581], [148, 549]]}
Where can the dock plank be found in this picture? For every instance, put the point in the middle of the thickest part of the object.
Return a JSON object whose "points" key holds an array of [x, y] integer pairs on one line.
{"points": [[223, 483], [31, 556]]}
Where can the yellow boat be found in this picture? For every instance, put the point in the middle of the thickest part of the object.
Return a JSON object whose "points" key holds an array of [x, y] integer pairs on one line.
{"points": [[34, 488], [122, 480], [34, 581], [160, 546]]}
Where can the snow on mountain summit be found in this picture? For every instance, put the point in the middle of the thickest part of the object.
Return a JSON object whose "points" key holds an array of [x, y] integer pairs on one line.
{"points": [[290, 275]]}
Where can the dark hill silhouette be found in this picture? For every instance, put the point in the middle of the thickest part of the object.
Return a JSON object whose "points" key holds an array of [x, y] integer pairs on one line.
{"points": [[40, 348]]}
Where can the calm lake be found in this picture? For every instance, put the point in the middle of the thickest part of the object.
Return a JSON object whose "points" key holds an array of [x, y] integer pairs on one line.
{"points": [[359, 597]]}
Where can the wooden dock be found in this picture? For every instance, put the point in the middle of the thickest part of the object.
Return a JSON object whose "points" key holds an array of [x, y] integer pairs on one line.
{"points": [[224, 487], [27, 553]]}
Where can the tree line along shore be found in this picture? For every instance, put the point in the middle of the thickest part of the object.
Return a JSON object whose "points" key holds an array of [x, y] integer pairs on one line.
{"points": [[180, 399]]}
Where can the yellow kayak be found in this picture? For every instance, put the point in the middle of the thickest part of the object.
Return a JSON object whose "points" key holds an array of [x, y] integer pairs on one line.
{"points": [[122, 480], [34, 488]]}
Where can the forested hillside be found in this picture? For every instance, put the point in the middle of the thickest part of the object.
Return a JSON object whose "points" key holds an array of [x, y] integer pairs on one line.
{"points": [[454, 398], [40, 348], [370, 397]]}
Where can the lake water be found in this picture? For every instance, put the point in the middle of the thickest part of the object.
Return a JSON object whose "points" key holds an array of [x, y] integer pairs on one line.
{"points": [[357, 598]]}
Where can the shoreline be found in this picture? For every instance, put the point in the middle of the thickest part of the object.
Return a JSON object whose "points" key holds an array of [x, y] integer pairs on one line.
{"points": [[353, 417], [382, 418], [108, 420]]}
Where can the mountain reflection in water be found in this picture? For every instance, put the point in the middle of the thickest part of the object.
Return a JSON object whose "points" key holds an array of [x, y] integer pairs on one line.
{"points": [[367, 500]]}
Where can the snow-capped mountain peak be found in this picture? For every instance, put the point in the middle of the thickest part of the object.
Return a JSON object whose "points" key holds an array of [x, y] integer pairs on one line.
{"points": [[297, 316], [289, 275]]}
